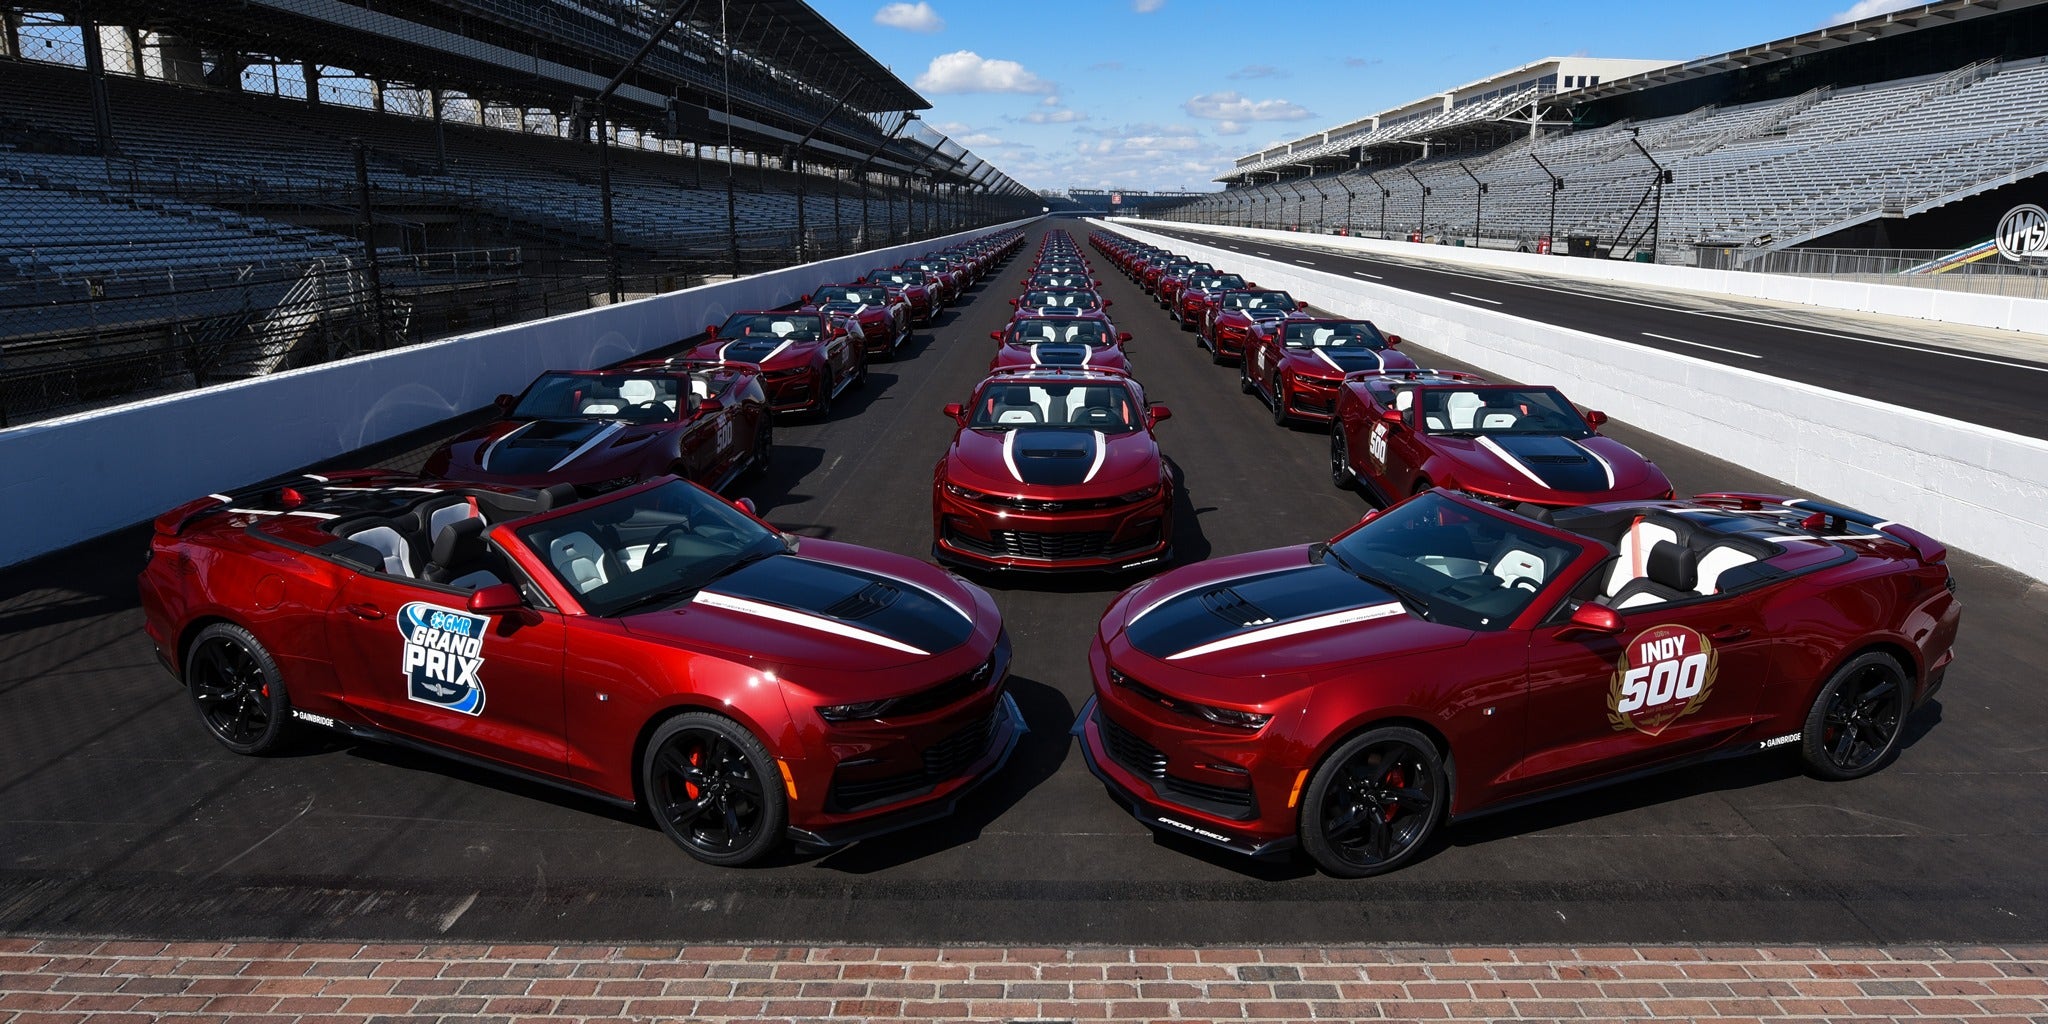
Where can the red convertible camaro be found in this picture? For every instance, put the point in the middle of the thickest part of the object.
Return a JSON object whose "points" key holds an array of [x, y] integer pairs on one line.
{"points": [[1053, 469], [880, 317], [1060, 341], [1398, 432], [1446, 658], [654, 647], [602, 429], [804, 365], [1227, 328], [1297, 366]]}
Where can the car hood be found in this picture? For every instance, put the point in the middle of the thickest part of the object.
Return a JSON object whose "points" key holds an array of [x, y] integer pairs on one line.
{"points": [[1291, 617], [1061, 353], [1326, 362], [1053, 461], [813, 612], [1518, 464], [570, 450], [766, 353]]}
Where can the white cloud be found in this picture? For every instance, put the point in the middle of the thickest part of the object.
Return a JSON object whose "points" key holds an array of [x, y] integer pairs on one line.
{"points": [[979, 139], [1147, 6], [917, 17], [1229, 106], [1871, 9], [967, 71], [1257, 71], [1062, 116], [1230, 128]]}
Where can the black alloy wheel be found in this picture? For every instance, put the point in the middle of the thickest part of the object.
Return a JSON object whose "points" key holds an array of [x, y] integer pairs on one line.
{"points": [[822, 407], [714, 789], [1857, 721], [1244, 377], [1373, 803], [1280, 416], [764, 446], [235, 685], [1342, 476]]}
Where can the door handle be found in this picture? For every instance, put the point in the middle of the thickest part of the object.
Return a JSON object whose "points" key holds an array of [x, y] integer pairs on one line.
{"points": [[1729, 633], [366, 611]]}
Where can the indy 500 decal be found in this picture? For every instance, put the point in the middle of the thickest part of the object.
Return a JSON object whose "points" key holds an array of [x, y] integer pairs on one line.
{"points": [[443, 656], [1663, 675]]}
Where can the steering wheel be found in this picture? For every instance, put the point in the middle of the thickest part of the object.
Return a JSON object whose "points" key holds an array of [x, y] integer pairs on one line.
{"points": [[662, 539], [1524, 582]]}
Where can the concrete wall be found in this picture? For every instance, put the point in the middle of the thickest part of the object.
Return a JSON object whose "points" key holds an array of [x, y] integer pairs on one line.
{"points": [[66, 480], [1969, 486], [1994, 311]]}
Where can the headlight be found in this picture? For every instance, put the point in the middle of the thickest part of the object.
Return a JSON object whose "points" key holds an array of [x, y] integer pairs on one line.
{"points": [[854, 712], [1234, 719], [970, 494], [780, 375], [1139, 495]]}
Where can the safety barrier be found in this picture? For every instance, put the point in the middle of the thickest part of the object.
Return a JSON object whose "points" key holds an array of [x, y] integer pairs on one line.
{"points": [[1972, 487], [67, 480], [2000, 312]]}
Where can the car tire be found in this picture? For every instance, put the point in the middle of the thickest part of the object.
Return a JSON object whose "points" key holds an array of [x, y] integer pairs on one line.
{"points": [[1244, 377], [1216, 355], [237, 690], [860, 373], [1373, 804], [1280, 416], [822, 409], [764, 447], [698, 766], [1857, 719], [1342, 476]]}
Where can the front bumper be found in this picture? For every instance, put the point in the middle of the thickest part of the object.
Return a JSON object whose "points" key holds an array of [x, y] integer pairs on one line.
{"points": [[937, 802], [1132, 793], [1114, 539], [1309, 400]]}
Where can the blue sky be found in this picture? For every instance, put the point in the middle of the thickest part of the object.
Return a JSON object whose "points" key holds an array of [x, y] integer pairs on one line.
{"points": [[1165, 93]]}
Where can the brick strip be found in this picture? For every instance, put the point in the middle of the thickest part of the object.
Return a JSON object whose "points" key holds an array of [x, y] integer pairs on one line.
{"points": [[57, 981]]}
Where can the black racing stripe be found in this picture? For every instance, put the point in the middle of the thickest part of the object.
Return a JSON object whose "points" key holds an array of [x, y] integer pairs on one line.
{"points": [[751, 350], [539, 445], [1060, 354], [1560, 464], [1230, 607], [1349, 357], [895, 609], [1053, 457]]}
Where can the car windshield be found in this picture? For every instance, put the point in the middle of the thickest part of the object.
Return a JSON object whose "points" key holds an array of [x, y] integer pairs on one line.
{"points": [[900, 277], [1106, 407], [1073, 332], [852, 296], [1258, 300], [1499, 410], [1454, 564], [789, 326], [1216, 282], [1061, 300], [639, 398], [647, 549], [1354, 334]]}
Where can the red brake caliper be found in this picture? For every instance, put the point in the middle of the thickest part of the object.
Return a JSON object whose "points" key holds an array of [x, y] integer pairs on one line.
{"points": [[1398, 780], [696, 759]]}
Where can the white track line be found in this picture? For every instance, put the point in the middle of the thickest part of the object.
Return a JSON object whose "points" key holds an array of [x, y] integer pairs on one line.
{"points": [[1362, 273], [1305, 263], [1475, 298], [1702, 344]]}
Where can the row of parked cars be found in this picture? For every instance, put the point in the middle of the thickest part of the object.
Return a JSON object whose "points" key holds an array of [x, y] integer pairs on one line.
{"points": [[1459, 650]]}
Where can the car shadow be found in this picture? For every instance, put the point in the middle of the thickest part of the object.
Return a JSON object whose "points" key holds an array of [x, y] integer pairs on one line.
{"points": [[787, 468]]}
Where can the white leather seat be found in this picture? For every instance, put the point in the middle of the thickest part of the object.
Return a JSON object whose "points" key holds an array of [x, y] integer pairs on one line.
{"points": [[447, 515], [391, 545], [1518, 564], [1321, 335], [782, 328], [638, 392], [1461, 407], [1719, 559], [1634, 551], [580, 561], [1498, 421], [599, 408]]}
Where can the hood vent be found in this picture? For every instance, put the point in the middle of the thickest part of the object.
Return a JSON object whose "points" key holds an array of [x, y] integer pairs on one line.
{"points": [[1231, 607], [862, 603]]}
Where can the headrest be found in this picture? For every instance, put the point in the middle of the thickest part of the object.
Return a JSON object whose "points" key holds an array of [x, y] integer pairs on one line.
{"points": [[555, 496], [459, 542], [1323, 334], [1672, 566], [638, 391], [782, 328]]}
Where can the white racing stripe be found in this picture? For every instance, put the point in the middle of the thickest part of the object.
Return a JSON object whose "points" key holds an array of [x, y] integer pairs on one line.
{"points": [[483, 458], [222, 498], [1502, 453], [797, 618], [1147, 610], [595, 439], [1101, 450], [1604, 464], [1010, 453], [1299, 626]]}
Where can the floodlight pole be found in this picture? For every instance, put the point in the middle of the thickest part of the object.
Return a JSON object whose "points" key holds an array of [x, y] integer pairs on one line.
{"points": [[866, 236], [1348, 197], [1477, 201], [796, 160], [1556, 186], [604, 149], [1385, 194], [366, 221], [1657, 214], [1422, 221]]}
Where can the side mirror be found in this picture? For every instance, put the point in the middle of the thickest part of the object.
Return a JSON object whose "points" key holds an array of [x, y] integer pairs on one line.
{"points": [[747, 505], [1370, 515], [1393, 340], [709, 405], [1013, 302], [1392, 416], [805, 301], [1098, 282], [1160, 413], [1301, 305], [504, 402], [496, 599], [1251, 284], [711, 330], [1123, 336], [954, 410], [1596, 419], [995, 335], [1106, 303], [1592, 620]]}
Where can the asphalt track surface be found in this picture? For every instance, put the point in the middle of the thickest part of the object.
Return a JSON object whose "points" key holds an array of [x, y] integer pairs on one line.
{"points": [[119, 816], [1907, 367]]}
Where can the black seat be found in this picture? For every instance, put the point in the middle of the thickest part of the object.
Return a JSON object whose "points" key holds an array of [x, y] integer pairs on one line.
{"points": [[462, 557], [1669, 574]]}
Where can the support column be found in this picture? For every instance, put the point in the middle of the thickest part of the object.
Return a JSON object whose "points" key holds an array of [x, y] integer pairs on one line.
{"points": [[441, 131], [310, 72], [96, 79], [10, 33]]}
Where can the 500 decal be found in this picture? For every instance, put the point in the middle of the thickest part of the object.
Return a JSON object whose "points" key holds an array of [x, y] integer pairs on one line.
{"points": [[1663, 675], [444, 652]]}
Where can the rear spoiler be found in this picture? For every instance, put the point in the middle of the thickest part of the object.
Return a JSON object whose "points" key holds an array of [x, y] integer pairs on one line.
{"points": [[265, 498], [1822, 517]]}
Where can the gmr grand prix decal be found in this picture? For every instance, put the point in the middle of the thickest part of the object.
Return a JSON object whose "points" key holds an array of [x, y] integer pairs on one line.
{"points": [[1663, 675], [443, 654]]}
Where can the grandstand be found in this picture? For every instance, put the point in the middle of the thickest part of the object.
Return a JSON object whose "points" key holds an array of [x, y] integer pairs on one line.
{"points": [[195, 192], [1874, 133]]}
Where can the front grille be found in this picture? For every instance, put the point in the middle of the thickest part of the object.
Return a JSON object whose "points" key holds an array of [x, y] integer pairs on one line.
{"points": [[942, 761], [1145, 760]]}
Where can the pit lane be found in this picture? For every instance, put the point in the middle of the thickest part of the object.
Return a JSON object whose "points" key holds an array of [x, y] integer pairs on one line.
{"points": [[119, 816]]}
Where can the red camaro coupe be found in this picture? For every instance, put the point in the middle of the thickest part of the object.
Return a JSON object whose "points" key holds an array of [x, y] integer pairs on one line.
{"points": [[655, 647], [1398, 432], [1447, 657], [1053, 470]]}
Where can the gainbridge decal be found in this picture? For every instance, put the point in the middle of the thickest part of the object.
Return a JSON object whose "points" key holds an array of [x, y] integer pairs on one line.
{"points": [[444, 656], [1663, 675]]}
